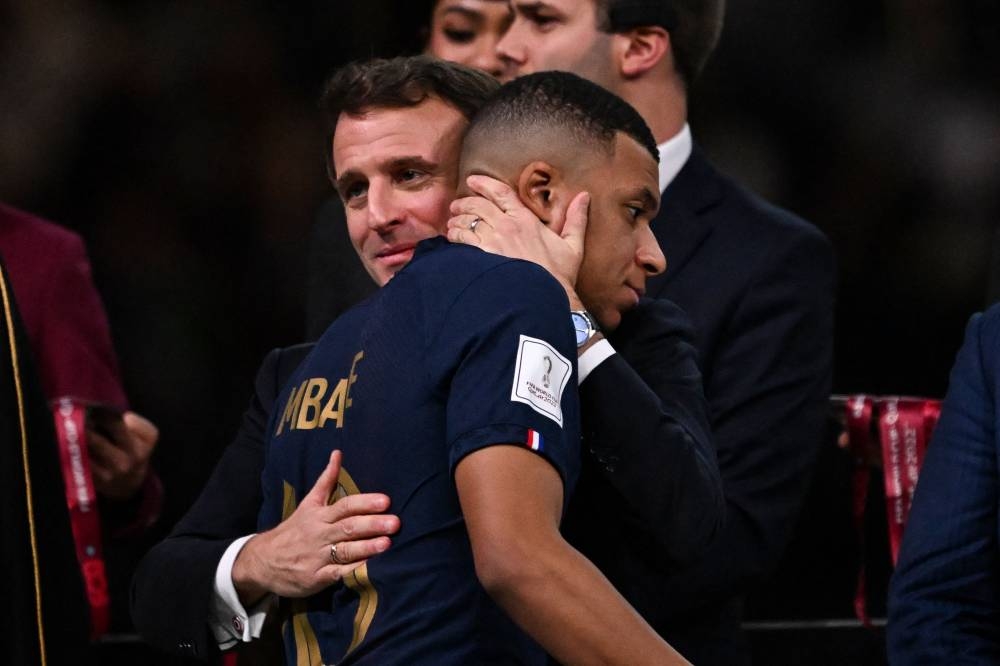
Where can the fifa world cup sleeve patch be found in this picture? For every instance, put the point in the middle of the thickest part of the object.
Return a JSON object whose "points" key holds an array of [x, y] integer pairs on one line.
{"points": [[540, 376]]}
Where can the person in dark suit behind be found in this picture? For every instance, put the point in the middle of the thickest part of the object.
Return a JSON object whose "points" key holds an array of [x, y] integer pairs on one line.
{"points": [[944, 597], [758, 285]]}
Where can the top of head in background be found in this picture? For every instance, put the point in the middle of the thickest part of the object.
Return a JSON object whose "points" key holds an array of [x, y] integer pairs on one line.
{"points": [[694, 27]]}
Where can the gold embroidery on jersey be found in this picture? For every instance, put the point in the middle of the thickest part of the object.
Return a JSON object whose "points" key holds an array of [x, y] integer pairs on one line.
{"points": [[306, 646], [317, 400], [310, 407], [307, 651], [352, 376], [288, 501], [291, 412], [345, 487], [358, 579]]}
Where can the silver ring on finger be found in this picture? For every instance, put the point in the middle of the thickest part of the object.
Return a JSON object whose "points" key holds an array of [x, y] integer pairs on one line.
{"points": [[334, 556], [474, 224]]}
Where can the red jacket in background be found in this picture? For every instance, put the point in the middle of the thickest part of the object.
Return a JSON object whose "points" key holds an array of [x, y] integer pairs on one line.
{"points": [[62, 312]]}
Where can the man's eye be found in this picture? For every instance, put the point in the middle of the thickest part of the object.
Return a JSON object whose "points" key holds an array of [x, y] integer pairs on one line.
{"points": [[457, 36], [409, 175], [541, 21], [354, 190], [634, 211]]}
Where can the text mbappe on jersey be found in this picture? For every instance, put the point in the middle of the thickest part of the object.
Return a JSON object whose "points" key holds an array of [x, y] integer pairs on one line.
{"points": [[312, 404]]}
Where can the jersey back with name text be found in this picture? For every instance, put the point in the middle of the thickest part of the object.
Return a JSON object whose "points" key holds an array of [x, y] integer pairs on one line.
{"points": [[459, 351]]}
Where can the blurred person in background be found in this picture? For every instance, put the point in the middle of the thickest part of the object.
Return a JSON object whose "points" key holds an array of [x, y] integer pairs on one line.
{"points": [[44, 608], [944, 598], [758, 284], [70, 341], [461, 31]]}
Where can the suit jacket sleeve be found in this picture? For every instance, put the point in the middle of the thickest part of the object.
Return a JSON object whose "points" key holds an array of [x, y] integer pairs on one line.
{"points": [[768, 390], [645, 422], [770, 394], [944, 602], [172, 588]]}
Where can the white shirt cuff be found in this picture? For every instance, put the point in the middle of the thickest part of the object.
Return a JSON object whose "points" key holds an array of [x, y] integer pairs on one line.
{"points": [[229, 621], [596, 354]]}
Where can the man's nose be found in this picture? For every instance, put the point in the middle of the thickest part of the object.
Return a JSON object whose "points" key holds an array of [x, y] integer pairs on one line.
{"points": [[384, 210], [488, 60], [649, 255], [510, 49]]}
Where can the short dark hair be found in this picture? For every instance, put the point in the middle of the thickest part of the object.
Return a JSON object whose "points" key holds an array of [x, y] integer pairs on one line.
{"points": [[563, 100], [399, 83], [694, 26]]}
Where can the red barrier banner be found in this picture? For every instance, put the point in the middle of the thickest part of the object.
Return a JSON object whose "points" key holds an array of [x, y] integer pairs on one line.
{"points": [[70, 419], [898, 443], [860, 409], [904, 433]]}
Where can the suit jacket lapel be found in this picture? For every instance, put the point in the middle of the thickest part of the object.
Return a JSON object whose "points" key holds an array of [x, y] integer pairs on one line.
{"points": [[680, 226]]}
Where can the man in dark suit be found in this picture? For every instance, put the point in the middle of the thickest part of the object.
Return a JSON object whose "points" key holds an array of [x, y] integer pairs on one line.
{"points": [[757, 283], [667, 422], [944, 598]]}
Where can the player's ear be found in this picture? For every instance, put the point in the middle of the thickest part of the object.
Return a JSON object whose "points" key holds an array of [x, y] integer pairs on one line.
{"points": [[541, 188], [641, 49]]}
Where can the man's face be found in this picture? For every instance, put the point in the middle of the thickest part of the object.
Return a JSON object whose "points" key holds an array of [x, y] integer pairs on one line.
{"points": [[557, 34], [396, 172], [620, 250]]}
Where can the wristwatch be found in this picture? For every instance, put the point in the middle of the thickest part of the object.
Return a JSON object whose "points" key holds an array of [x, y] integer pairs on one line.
{"points": [[584, 326]]}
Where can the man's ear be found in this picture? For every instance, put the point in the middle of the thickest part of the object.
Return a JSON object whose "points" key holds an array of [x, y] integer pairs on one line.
{"points": [[541, 188], [641, 49]]}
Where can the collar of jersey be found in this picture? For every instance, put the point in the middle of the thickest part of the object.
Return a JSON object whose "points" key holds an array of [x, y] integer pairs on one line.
{"points": [[429, 245]]}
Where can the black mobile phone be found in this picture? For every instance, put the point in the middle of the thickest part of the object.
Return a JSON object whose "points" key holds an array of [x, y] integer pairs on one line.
{"points": [[105, 420]]}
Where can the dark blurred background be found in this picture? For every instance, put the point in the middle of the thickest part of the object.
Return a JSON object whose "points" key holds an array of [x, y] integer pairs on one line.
{"points": [[182, 141]]}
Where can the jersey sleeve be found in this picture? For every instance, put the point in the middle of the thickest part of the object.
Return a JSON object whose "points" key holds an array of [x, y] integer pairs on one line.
{"points": [[508, 348]]}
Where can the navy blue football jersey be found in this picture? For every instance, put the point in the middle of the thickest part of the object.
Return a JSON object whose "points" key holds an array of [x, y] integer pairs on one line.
{"points": [[459, 351]]}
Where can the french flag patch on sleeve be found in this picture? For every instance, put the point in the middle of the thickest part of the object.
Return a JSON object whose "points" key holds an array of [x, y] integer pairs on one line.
{"points": [[534, 441]]}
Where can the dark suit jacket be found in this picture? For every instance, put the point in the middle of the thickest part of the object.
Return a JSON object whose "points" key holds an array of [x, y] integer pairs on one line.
{"points": [[172, 587], [944, 598], [758, 285], [336, 278]]}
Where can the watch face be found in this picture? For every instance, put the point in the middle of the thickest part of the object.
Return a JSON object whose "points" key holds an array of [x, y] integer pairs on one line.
{"points": [[582, 327]]}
